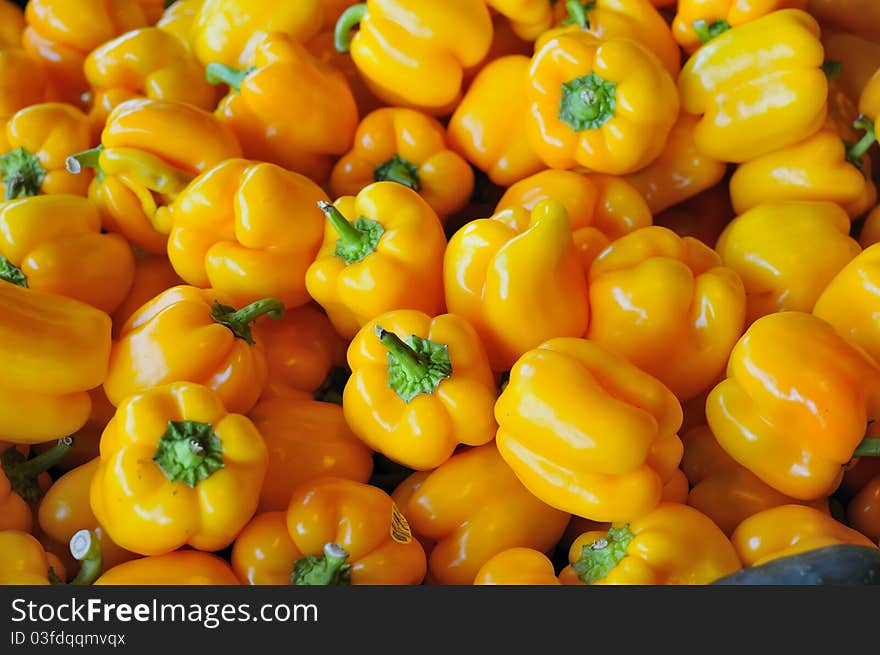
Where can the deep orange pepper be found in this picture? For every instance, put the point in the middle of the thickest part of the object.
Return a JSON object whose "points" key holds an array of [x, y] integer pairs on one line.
{"points": [[181, 567], [517, 566]]}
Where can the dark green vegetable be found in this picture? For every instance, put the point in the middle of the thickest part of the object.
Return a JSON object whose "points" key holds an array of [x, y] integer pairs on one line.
{"points": [[838, 565]]}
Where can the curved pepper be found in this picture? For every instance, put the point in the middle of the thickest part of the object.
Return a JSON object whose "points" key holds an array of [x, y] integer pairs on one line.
{"points": [[607, 106], [23, 481], [795, 403], [492, 135], [11, 24], [420, 386], [86, 440], [306, 440], [529, 18], [869, 100], [671, 545], [471, 508], [601, 208], [680, 172], [788, 530], [517, 566], [61, 33], [588, 432], [176, 469], [786, 253], [191, 335], [22, 81], [146, 62], [758, 87], [668, 305], [39, 139], [153, 274], [230, 32], [178, 19], [300, 136], [247, 229], [323, 48], [724, 490], [54, 244], [858, 16], [182, 567], [49, 378], [497, 270], [414, 54], [401, 145], [23, 561], [382, 250], [697, 22]]}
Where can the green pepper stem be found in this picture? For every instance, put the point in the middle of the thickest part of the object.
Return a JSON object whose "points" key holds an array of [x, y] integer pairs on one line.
{"points": [[869, 447], [346, 23], [399, 170], [407, 358], [87, 158], [579, 13], [832, 69], [331, 568], [855, 152], [86, 548], [346, 231], [22, 474], [239, 321], [217, 73], [22, 174], [706, 32], [11, 273]]}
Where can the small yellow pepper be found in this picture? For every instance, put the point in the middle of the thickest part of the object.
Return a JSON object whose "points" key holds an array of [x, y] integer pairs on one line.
{"points": [[869, 100], [497, 270], [786, 253], [182, 567], [517, 566], [176, 469], [24, 561], [588, 432], [23, 481], [472, 508], [22, 82], [86, 440]]}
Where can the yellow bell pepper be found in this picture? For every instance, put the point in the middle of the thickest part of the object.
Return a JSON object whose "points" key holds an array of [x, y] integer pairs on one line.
{"points": [[472, 508], [788, 530], [529, 18], [49, 377], [517, 566], [191, 335], [857, 16], [176, 469], [588, 432], [795, 403], [230, 31], [153, 274], [39, 138], [24, 561], [607, 106], [306, 440], [672, 545], [601, 208], [420, 386], [232, 230], [54, 244], [680, 172], [401, 145], [382, 250], [11, 24], [497, 270], [492, 135], [786, 253], [869, 100], [22, 82], [86, 440], [23, 481], [699, 21], [146, 62], [300, 136], [178, 19], [668, 305], [414, 54], [182, 567]]}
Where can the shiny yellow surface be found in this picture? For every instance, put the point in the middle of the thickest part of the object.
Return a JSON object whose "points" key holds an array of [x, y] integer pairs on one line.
{"points": [[733, 12], [183, 567], [517, 566], [22, 559]]}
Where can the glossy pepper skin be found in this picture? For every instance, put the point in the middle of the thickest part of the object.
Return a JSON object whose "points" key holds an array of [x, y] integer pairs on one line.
{"points": [[492, 135], [858, 16], [667, 304], [39, 139], [230, 32], [176, 469], [414, 53], [869, 99], [517, 566], [402, 145], [178, 19], [787, 530], [382, 250], [182, 567], [600, 208], [776, 275], [62, 34], [863, 510], [54, 244], [472, 508], [153, 274], [529, 18], [681, 171], [498, 269], [306, 439], [420, 386], [50, 377], [23, 481], [671, 545], [23, 81], [247, 229], [699, 21], [587, 432], [607, 106], [795, 403], [758, 87], [193, 335], [146, 62], [300, 136], [724, 490], [22, 559]]}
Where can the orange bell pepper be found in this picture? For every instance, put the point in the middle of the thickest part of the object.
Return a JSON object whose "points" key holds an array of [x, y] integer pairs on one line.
{"points": [[23, 82], [11, 24], [23, 481], [470, 509], [153, 274], [182, 567], [517, 566]]}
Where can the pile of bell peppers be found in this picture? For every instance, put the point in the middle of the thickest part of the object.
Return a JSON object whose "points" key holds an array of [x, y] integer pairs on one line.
{"points": [[483, 292]]}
